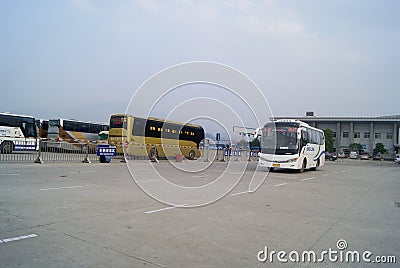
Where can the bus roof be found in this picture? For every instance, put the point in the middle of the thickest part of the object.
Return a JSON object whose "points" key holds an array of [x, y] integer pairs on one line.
{"points": [[79, 121], [19, 115], [160, 120], [301, 123]]}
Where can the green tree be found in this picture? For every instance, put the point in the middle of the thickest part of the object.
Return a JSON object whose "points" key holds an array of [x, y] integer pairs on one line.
{"points": [[356, 147], [379, 148], [255, 142], [328, 140]]}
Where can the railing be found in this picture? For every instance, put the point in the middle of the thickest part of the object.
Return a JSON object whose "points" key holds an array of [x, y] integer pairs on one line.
{"points": [[56, 151]]}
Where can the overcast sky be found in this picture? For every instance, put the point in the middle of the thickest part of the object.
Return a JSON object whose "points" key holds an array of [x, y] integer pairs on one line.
{"points": [[85, 59]]}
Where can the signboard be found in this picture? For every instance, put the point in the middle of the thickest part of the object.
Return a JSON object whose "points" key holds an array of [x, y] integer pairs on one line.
{"points": [[106, 150], [218, 136]]}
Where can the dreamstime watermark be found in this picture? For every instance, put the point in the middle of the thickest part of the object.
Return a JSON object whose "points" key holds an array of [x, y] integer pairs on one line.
{"points": [[185, 84], [338, 254]]}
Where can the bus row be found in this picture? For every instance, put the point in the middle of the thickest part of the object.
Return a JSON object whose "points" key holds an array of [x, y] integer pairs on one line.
{"points": [[131, 135], [288, 144]]}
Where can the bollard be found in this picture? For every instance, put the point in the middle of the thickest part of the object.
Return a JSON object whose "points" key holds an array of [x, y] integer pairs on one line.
{"points": [[86, 159], [39, 159]]}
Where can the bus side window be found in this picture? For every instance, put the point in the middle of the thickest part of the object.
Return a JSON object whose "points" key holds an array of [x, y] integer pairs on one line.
{"points": [[304, 138]]}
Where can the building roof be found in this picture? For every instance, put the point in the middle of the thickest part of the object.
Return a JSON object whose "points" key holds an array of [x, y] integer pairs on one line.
{"points": [[389, 118]]}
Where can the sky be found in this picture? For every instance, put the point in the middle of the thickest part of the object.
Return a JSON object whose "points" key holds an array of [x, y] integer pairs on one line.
{"points": [[85, 59]]}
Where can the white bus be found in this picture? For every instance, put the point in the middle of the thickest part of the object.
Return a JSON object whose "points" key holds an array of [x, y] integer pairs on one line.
{"points": [[291, 144], [70, 134], [17, 133]]}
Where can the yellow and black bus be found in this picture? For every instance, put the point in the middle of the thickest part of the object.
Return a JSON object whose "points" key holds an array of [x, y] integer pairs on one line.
{"points": [[153, 137]]}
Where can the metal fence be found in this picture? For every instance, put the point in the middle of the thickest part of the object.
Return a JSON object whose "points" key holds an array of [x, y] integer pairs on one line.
{"points": [[55, 151]]}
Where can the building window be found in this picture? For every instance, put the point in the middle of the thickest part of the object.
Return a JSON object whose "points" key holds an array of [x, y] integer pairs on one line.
{"points": [[357, 135], [389, 136], [367, 135], [377, 135], [345, 134], [334, 134]]}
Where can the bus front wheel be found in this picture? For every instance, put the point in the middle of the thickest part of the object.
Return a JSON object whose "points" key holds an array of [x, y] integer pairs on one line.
{"points": [[7, 147], [303, 166]]}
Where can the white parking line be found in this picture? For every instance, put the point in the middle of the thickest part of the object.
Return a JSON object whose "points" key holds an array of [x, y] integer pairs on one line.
{"points": [[200, 176], [68, 187], [325, 175], [7, 240], [87, 171], [10, 174], [281, 184], [240, 193], [306, 179], [161, 209]]}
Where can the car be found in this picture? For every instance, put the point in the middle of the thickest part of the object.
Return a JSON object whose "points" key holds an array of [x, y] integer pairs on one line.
{"points": [[341, 155], [364, 157], [331, 156], [397, 160], [353, 155], [377, 157]]}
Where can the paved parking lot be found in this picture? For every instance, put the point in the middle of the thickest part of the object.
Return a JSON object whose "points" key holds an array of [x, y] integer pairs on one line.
{"points": [[96, 215]]}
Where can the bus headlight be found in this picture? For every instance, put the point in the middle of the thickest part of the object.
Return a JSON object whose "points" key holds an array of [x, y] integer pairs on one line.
{"points": [[292, 160]]}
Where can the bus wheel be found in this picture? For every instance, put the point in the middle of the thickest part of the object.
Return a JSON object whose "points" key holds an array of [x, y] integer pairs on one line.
{"points": [[7, 147], [303, 166], [192, 155], [153, 154], [316, 167]]}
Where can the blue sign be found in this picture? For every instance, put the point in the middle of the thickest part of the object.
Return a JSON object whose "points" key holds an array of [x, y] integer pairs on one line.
{"points": [[364, 146], [106, 150]]}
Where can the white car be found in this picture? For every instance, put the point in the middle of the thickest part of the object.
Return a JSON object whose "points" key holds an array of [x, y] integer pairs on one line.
{"points": [[397, 160]]}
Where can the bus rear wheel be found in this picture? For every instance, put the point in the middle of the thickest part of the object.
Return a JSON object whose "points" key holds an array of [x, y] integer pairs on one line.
{"points": [[192, 155], [316, 167], [7, 147], [153, 154]]}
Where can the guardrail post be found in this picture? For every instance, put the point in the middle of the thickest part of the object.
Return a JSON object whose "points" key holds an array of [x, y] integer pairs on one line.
{"points": [[39, 159], [86, 159]]}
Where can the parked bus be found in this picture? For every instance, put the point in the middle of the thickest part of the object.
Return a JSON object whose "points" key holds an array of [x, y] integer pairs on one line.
{"points": [[64, 134], [292, 144], [17, 133], [154, 137], [42, 127]]}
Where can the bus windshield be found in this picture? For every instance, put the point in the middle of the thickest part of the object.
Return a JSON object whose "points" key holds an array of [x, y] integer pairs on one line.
{"points": [[118, 121], [279, 139]]}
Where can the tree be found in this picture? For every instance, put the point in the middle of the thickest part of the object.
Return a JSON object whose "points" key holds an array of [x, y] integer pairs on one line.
{"points": [[328, 140], [356, 147], [379, 148], [255, 143]]}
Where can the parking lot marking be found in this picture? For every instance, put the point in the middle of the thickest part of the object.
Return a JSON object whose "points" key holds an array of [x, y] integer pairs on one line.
{"points": [[161, 209], [10, 174], [87, 171], [306, 179], [59, 188], [240, 193], [325, 175], [281, 184], [200, 176], [7, 240], [148, 180]]}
